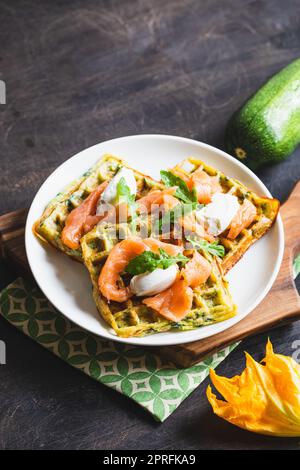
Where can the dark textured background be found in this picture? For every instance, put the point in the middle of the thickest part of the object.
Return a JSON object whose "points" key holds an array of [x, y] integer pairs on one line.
{"points": [[84, 71]]}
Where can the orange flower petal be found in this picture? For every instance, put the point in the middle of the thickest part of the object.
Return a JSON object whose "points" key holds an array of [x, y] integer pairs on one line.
{"points": [[264, 399]]}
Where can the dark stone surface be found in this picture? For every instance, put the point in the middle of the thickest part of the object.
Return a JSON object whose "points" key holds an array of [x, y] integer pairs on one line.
{"points": [[81, 72]]}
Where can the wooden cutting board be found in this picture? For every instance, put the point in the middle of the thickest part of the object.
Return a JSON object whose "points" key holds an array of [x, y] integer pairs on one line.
{"points": [[281, 305]]}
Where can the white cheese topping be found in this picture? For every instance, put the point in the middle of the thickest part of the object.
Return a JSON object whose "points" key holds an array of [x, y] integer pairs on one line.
{"points": [[110, 193], [218, 214], [154, 282]]}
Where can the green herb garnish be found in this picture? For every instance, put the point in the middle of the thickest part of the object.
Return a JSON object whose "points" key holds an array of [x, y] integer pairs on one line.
{"points": [[182, 192], [124, 196], [148, 261], [296, 266], [171, 216], [213, 248]]}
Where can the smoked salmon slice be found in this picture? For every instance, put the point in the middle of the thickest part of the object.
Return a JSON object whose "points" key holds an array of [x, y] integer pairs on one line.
{"points": [[197, 270], [243, 218], [173, 303], [109, 280], [155, 245], [145, 203], [117, 214], [157, 197], [166, 202], [118, 258], [82, 219], [90, 223], [204, 185], [188, 224]]}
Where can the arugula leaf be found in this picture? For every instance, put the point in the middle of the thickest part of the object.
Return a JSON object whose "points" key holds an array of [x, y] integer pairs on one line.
{"points": [[296, 266], [168, 260], [148, 261], [213, 248], [171, 216], [123, 192], [124, 196], [182, 192]]}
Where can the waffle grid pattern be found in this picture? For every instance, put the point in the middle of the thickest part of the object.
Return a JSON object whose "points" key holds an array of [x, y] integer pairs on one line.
{"points": [[211, 303], [50, 225], [267, 210]]}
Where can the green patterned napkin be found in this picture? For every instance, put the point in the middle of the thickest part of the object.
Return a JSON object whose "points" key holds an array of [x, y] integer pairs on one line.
{"points": [[155, 384]]}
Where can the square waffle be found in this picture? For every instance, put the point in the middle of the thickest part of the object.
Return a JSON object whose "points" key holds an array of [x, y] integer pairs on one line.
{"points": [[50, 225], [267, 210], [212, 301]]}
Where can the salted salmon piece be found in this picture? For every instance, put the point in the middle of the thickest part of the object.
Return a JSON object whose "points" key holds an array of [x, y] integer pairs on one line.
{"points": [[189, 224], [118, 258], [155, 244], [166, 202], [109, 279], [204, 185], [79, 220], [173, 303], [145, 203], [157, 197], [197, 270], [117, 214], [243, 218], [90, 223]]}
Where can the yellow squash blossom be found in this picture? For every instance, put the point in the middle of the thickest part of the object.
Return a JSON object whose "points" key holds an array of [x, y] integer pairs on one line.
{"points": [[265, 398]]}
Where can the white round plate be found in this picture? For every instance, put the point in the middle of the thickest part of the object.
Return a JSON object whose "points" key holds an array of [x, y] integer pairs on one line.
{"points": [[66, 283]]}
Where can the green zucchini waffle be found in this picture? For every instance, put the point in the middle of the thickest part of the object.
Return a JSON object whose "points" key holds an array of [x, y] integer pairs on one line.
{"points": [[212, 301], [136, 311], [266, 211], [50, 225]]}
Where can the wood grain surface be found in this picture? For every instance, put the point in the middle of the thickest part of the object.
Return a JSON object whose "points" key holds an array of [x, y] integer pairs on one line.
{"points": [[84, 71]]}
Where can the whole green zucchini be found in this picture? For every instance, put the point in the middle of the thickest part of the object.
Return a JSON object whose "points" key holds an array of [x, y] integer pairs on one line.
{"points": [[267, 128]]}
